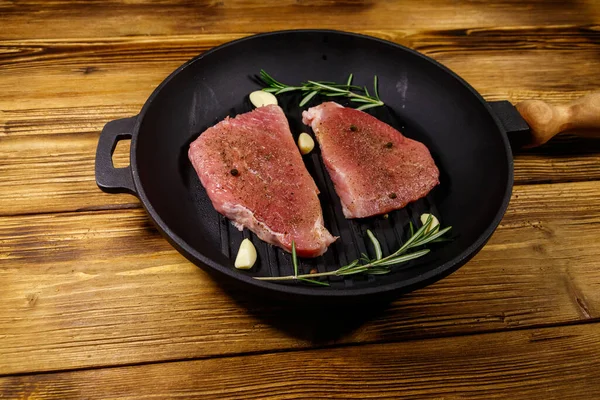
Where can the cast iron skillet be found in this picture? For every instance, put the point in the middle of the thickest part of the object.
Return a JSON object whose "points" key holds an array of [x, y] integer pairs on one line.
{"points": [[425, 100]]}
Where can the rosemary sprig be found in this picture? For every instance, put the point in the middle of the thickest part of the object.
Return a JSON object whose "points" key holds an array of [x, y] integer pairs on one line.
{"points": [[379, 265], [295, 264], [310, 89]]}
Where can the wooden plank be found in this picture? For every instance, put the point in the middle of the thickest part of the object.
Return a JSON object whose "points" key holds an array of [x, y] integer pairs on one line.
{"points": [[500, 63], [36, 54], [65, 19], [103, 288], [46, 173], [107, 72], [565, 158], [551, 363]]}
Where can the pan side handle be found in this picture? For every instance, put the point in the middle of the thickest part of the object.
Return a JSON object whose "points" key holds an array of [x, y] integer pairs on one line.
{"points": [[109, 178], [532, 123], [514, 124], [581, 116]]}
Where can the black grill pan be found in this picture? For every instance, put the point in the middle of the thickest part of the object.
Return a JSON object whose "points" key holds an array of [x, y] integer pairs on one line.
{"points": [[424, 100]]}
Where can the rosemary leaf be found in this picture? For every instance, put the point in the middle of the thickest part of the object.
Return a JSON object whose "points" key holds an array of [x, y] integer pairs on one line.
{"points": [[375, 85], [351, 265], [307, 98], [294, 258], [334, 94], [404, 258], [269, 79], [379, 271], [367, 106], [415, 237], [314, 281], [359, 100], [349, 81], [431, 237], [376, 245], [352, 271], [329, 87], [286, 89], [365, 258]]}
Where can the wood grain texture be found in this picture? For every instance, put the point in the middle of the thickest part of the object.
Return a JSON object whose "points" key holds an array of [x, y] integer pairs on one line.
{"points": [[500, 63], [551, 363], [83, 19], [54, 173], [103, 288]]}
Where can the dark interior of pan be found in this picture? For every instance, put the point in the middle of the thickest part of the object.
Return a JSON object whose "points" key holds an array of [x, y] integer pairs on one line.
{"points": [[423, 100]]}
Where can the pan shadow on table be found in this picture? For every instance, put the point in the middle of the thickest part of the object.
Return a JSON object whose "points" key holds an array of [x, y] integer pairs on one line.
{"points": [[563, 145], [313, 322]]}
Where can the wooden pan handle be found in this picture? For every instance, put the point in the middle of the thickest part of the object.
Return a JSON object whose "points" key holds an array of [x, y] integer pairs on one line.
{"points": [[546, 121]]}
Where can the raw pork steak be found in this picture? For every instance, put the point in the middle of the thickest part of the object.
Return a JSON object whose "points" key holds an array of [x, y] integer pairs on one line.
{"points": [[374, 168], [255, 176]]}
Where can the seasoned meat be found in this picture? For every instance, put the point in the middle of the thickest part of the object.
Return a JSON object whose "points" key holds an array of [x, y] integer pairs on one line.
{"points": [[254, 175], [375, 169]]}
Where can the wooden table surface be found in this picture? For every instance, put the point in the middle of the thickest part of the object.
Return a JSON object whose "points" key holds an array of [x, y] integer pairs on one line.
{"points": [[94, 303]]}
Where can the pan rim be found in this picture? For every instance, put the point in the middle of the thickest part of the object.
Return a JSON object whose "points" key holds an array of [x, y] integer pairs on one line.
{"points": [[416, 282]]}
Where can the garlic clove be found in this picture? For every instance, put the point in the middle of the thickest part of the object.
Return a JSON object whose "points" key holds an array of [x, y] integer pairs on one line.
{"points": [[246, 256], [261, 98], [305, 143]]}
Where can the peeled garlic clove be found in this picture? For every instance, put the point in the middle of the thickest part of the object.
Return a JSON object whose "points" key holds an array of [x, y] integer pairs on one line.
{"points": [[435, 224], [260, 98], [305, 143], [246, 256]]}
